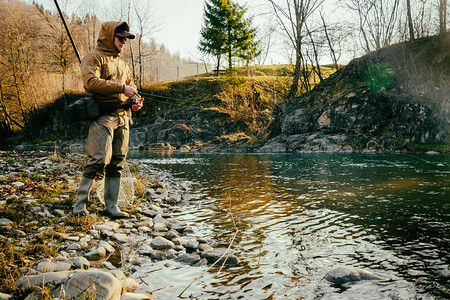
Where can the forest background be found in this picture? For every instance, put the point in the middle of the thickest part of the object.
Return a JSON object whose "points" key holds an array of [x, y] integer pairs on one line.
{"points": [[38, 64]]}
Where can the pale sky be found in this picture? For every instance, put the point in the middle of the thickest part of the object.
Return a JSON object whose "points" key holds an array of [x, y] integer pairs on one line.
{"points": [[178, 22]]}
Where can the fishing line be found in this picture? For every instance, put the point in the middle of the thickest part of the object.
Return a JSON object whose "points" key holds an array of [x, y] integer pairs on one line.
{"points": [[427, 161], [203, 104]]}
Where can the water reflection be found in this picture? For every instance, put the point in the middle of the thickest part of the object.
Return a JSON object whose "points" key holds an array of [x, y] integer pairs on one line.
{"points": [[300, 215]]}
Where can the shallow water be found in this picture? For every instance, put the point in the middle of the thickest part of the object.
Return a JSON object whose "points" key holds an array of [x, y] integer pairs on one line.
{"points": [[299, 215]]}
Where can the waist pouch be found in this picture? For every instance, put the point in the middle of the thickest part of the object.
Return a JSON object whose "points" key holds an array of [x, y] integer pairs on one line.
{"points": [[87, 109], [84, 109]]}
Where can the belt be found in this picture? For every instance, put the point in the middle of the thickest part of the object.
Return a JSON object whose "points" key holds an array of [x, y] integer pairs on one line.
{"points": [[119, 112]]}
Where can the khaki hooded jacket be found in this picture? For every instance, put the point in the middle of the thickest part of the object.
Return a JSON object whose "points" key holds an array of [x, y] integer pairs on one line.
{"points": [[99, 64]]}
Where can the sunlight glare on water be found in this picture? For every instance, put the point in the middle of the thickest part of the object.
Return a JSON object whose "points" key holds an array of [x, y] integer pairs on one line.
{"points": [[299, 216]]}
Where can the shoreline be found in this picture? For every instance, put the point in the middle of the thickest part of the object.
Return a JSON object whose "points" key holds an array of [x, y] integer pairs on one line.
{"points": [[38, 189], [79, 148]]}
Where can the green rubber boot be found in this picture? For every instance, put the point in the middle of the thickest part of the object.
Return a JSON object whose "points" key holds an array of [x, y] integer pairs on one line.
{"points": [[112, 186], [79, 208]]}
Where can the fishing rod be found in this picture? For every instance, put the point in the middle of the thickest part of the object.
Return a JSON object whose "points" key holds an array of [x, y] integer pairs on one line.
{"points": [[201, 104], [68, 31], [147, 94]]}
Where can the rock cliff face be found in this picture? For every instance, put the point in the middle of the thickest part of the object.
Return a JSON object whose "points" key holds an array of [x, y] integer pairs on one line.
{"points": [[189, 128], [388, 100]]}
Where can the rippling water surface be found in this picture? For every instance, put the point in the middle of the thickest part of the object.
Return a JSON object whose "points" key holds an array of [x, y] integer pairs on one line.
{"points": [[299, 215]]}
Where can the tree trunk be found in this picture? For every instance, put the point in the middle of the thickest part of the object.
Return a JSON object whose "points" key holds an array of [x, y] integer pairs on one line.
{"points": [[5, 122], [8, 118], [442, 16], [410, 22], [218, 64], [140, 62], [296, 76], [133, 64]]}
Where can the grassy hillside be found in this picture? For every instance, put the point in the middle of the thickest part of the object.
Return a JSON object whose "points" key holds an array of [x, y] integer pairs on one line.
{"points": [[242, 95]]}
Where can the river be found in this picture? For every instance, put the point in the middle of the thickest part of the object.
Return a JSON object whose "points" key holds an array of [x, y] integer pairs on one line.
{"points": [[297, 216]]}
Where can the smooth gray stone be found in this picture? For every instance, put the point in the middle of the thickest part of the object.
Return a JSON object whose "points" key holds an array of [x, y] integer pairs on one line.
{"points": [[187, 258], [161, 243], [47, 266], [96, 254], [344, 274], [213, 255], [135, 296]]}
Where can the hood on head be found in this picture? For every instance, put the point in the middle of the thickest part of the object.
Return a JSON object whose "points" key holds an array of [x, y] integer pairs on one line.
{"points": [[105, 41]]}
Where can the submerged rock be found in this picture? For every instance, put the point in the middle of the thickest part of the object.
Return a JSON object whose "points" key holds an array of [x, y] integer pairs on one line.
{"points": [[344, 274], [213, 255], [187, 258]]}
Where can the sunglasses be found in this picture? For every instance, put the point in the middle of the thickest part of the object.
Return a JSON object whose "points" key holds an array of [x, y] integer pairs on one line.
{"points": [[121, 39]]}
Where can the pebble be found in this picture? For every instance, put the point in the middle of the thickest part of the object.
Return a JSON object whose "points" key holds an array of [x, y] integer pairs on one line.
{"points": [[107, 246], [74, 246], [129, 284], [145, 223], [107, 237], [118, 273], [96, 254], [213, 255], [191, 244], [136, 296], [159, 220], [107, 226], [161, 243], [15, 233], [161, 227], [188, 258], [204, 247], [59, 212], [120, 237], [4, 296], [80, 262], [109, 266], [48, 266], [6, 222], [171, 234], [73, 238]]}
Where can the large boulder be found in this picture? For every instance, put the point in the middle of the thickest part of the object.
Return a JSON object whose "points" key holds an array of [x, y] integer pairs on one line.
{"points": [[77, 284], [379, 102]]}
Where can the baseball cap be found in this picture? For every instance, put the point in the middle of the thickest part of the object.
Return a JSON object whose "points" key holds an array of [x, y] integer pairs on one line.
{"points": [[124, 34]]}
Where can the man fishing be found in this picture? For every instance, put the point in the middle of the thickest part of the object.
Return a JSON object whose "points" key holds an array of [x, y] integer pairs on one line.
{"points": [[108, 79]]}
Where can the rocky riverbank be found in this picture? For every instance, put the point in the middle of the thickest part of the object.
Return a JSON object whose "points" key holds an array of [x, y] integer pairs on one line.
{"points": [[48, 253]]}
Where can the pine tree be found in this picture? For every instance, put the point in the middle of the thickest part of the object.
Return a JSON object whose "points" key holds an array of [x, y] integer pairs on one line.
{"points": [[226, 31]]}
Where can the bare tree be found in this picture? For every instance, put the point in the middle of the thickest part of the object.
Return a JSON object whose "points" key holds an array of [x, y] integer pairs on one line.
{"points": [[331, 44], [57, 44], [17, 57], [145, 27], [266, 40], [377, 21], [292, 18]]}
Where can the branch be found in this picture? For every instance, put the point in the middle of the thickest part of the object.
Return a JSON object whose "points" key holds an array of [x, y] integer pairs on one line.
{"points": [[226, 252]]}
